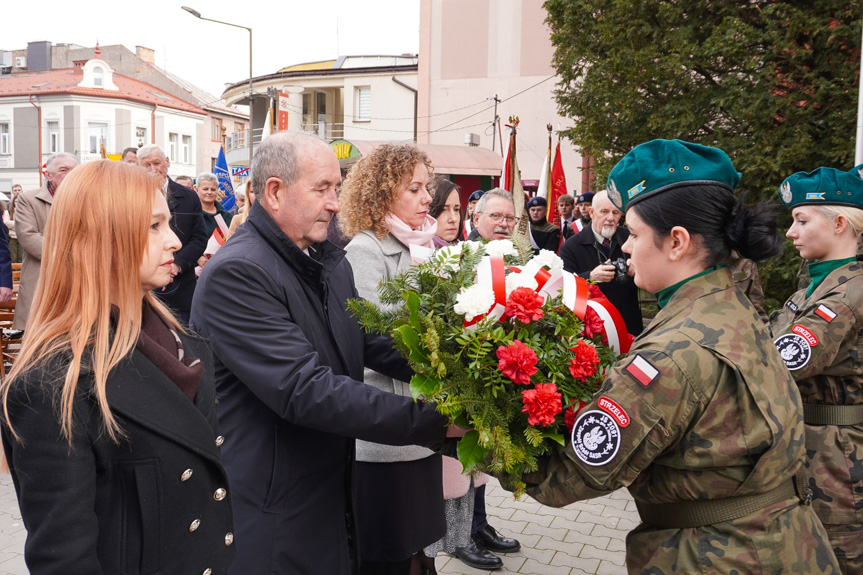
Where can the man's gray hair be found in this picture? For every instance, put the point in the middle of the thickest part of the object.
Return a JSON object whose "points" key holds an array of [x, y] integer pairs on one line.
{"points": [[53, 157], [493, 193], [277, 157], [145, 151], [206, 177]]}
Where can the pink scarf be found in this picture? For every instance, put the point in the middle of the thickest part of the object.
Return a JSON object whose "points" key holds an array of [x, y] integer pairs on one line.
{"points": [[424, 236]]}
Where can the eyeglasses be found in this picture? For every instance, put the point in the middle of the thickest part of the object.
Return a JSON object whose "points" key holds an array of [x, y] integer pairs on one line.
{"points": [[496, 218]]}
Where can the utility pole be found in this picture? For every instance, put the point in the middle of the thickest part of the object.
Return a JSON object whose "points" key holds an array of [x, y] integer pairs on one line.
{"points": [[494, 122]]}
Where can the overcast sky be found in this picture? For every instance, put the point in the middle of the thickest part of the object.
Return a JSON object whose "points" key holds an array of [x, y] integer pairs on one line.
{"points": [[209, 54]]}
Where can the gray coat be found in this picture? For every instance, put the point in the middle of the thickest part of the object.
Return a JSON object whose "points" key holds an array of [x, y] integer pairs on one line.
{"points": [[374, 260], [31, 215]]}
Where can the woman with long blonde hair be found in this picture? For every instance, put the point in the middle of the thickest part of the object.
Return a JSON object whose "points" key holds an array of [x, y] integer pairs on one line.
{"points": [[107, 415]]}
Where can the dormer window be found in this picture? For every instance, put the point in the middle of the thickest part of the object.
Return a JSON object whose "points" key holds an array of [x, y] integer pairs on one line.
{"points": [[97, 76]]}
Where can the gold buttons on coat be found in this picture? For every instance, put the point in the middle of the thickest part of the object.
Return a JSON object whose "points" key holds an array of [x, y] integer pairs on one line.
{"points": [[186, 475], [194, 525], [219, 494], [220, 440], [229, 539]]}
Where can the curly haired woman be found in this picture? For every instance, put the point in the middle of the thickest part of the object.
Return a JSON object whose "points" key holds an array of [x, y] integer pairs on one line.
{"points": [[384, 209]]}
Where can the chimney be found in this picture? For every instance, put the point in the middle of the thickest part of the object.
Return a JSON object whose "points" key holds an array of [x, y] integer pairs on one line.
{"points": [[148, 55]]}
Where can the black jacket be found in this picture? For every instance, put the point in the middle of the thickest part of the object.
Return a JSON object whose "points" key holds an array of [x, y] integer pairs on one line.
{"points": [[103, 508], [581, 255], [289, 370], [188, 223]]}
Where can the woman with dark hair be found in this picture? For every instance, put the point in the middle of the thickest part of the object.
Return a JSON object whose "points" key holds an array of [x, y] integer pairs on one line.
{"points": [[701, 419], [445, 207], [384, 210], [818, 336], [108, 415]]}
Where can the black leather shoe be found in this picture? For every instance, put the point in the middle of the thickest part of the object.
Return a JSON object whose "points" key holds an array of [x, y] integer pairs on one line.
{"points": [[473, 556], [487, 538]]}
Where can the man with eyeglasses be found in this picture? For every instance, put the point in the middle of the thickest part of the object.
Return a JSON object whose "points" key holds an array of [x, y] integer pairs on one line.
{"points": [[494, 216]]}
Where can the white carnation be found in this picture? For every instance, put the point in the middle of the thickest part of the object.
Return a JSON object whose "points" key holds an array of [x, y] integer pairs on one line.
{"points": [[514, 280], [500, 248], [473, 301], [548, 258]]}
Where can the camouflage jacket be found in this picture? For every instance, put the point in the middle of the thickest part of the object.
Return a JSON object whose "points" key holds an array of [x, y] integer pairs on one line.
{"points": [[821, 341], [701, 408]]}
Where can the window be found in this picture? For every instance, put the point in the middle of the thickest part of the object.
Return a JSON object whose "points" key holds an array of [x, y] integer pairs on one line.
{"points": [[173, 144], [5, 147], [364, 104], [187, 149], [217, 130], [141, 136], [98, 136], [53, 129], [308, 118], [97, 77], [239, 135]]}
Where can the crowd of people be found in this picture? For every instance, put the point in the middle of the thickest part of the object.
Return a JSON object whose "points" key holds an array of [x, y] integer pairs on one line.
{"points": [[241, 421]]}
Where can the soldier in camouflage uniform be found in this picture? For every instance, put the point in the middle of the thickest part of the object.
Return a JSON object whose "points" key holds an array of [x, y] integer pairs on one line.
{"points": [[701, 421], [819, 334]]}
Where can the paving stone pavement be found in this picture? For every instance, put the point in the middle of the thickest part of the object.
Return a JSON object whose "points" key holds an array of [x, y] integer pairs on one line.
{"points": [[582, 538]]}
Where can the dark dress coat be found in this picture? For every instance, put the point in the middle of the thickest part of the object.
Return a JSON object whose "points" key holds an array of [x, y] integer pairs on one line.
{"points": [[188, 224], [581, 254], [289, 370], [150, 504], [5, 257]]}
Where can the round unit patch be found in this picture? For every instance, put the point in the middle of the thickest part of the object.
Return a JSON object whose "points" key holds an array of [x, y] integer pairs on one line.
{"points": [[595, 437], [794, 349]]}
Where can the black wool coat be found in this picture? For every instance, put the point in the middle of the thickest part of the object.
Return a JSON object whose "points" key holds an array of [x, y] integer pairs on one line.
{"points": [[157, 502], [289, 371], [188, 223], [580, 256]]}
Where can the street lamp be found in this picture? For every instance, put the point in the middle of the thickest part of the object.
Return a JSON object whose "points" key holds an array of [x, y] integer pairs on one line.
{"points": [[197, 14]]}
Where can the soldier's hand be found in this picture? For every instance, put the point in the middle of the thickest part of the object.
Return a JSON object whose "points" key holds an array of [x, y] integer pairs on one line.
{"points": [[602, 273]]}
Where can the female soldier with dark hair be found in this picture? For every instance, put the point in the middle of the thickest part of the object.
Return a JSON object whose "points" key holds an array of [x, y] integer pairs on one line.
{"points": [[818, 334], [701, 419]]}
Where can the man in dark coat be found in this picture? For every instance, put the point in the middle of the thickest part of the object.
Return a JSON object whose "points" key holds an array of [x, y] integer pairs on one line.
{"points": [[187, 223], [545, 235], [289, 369], [590, 254]]}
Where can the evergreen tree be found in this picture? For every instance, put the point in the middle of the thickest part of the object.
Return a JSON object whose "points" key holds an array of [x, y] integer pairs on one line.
{"points": [[772, 83]]}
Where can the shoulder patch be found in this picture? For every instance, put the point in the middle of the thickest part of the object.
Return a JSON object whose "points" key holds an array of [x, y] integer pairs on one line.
{"points": [[791, 305], [825, 313], [642, 371], [794, 350], [595, 437], [810, 337], [613, 409]]}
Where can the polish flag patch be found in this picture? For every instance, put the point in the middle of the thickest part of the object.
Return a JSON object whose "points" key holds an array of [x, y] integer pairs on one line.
{"points": [[825, 313], [642, 371]]}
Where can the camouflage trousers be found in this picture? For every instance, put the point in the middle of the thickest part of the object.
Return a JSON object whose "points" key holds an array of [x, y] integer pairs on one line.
{"points": [[847, 543], [783, 538]]}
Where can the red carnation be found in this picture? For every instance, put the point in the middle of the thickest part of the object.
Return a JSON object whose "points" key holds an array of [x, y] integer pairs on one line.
{"points": [[517, 362], [525, 304], [593, 292], [594, 326], [571, 414], [541, 404], [583, 365]]}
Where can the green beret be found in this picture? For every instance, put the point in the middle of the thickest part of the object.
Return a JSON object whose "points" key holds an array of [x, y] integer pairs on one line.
{"points": [[822, 187], [661, 165]]}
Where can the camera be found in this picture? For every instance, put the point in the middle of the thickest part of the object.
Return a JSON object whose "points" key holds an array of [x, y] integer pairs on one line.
{"points": [[620, 270]]}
